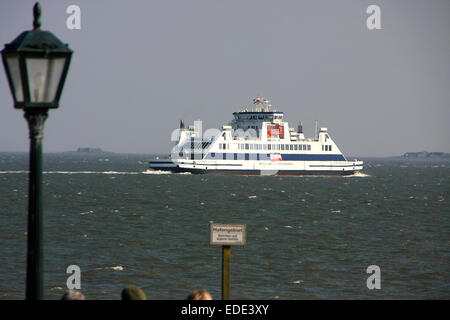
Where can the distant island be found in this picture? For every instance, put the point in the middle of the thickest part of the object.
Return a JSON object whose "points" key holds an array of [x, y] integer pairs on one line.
{"points": [[90, 150], [426, 154]]}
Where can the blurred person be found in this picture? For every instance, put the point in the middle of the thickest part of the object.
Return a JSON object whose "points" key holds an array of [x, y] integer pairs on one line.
{"points": [[199, 294], [73, 295], [133, 293]]}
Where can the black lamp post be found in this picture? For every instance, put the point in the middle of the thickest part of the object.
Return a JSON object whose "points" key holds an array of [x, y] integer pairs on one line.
{"points": [[36, 65]]}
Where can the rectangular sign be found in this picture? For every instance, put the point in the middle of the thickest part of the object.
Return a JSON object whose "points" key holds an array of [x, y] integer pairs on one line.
{"points": [[226, 234], [275, 131]]}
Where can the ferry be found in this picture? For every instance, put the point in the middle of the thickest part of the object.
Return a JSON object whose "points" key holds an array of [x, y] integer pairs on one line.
{"points": [[258, 141]]}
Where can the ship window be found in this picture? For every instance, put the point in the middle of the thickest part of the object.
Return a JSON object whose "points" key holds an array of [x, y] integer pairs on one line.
{"points": [[213, 154], [269, 147], [235, 156], [282, 147], [309, 147], [323, 148], [329, 148], [246, 156], [220, 146], [224, 146], [295, 147], [224, 155], [291, 147], [246, 146]]}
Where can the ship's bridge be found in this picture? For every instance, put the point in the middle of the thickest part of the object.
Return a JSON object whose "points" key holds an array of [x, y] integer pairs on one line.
{"points": [[254, 118]]}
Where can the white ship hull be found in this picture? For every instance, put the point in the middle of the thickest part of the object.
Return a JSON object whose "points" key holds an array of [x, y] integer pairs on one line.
{"points": [[236, 167], [257, 142]]}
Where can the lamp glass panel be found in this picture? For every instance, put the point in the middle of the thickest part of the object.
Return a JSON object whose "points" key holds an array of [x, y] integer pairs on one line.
{"points": [[44, 75], [14, 72]]}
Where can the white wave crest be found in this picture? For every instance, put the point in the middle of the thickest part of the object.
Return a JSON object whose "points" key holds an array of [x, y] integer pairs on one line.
{"points": [[92, 172], [359, 175], [12, 172], [150, 171]]}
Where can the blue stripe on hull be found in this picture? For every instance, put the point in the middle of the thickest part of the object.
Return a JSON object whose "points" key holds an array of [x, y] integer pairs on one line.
{"points": [[266, 156]]}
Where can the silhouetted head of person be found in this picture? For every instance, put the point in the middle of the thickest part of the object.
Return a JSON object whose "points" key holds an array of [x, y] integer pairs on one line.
{"points": [[199, 294], [73, 295], [133, 293]]}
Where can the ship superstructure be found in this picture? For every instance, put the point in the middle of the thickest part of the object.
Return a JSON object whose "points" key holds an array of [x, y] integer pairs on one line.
{"points": [[257, 141]]}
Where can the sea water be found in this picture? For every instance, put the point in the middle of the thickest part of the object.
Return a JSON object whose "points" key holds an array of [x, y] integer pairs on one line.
{"points": [[307, 237]]}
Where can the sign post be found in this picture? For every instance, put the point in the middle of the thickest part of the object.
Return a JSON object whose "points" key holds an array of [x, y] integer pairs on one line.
{"points": [[226, 253], [226, 235]]}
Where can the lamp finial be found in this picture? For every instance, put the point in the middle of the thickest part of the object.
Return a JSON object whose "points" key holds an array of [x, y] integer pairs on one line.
{"points": [[36, 16]]}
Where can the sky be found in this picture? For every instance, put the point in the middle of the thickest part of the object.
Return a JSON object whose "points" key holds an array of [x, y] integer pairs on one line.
{"points": [[140, 66]]}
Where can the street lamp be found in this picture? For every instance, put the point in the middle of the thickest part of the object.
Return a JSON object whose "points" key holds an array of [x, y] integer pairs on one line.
{"points": [[36, 65]]}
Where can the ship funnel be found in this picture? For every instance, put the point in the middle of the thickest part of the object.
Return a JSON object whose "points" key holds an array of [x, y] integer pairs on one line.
{"points": [[181, 124], [300, 127]]}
